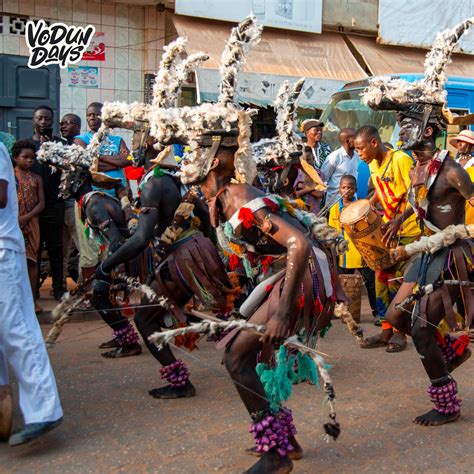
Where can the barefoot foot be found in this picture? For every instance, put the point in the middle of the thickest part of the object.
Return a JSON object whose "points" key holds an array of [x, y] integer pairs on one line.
{"points": [[434, 418], [271, 463], [168, 391], [112, 344], [123, 351]]}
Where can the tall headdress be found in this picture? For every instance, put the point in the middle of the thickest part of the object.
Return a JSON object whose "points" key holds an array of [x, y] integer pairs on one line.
{"points": [[424, 99], [224, 124]]}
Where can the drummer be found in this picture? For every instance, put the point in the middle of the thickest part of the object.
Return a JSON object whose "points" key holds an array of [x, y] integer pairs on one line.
{"points": [[389, 174], [351, 260]]}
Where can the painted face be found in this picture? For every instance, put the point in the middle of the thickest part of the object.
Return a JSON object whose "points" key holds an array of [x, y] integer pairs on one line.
{"points": [[140, 141], [409, 133], [365, 149], [196, 166]]}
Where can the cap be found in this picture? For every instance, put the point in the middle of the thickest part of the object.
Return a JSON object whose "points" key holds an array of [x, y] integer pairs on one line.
{"points": [[310, 123]]}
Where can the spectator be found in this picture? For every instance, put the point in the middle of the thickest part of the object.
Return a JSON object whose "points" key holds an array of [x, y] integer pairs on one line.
{"points": [[30, 204], [340, 162], [313, 130], [70, 127], [304, 187], [364, 183], [52, 217], [8, 140], [464, 143], [22, 346], [114, 154], [352, 260], [112, 159]]}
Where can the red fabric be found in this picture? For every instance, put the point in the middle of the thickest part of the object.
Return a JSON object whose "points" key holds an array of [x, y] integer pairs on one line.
{"points": [[234, 262], [268, 288], [134, 174], [266, 262], [434, 166], [460, 344], [271, 205], [246, 217]]}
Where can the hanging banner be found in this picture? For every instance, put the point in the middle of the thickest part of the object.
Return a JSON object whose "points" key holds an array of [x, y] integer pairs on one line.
{"points": [[96, 49], [416, 24], [83, 76], [261, 89], [301, 15]]}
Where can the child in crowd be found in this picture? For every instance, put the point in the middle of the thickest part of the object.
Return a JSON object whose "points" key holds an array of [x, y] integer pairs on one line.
{"points": [[30, 204], [351, 260]]}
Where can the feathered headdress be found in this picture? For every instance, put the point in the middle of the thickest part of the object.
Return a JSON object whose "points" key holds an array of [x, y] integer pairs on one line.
{"points": [[75, 163], [225, 124], [286, 146], [426, 98]]}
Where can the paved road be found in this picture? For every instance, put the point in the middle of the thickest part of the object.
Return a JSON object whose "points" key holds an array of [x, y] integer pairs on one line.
{"points": [[113, 426]]}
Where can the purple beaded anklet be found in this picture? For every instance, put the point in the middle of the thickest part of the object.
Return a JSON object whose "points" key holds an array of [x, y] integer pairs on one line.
{"points": [[272, 431], [176, 374], [126, 336], [444, 398]]}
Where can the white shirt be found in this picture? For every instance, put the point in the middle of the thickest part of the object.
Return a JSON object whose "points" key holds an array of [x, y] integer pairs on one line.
{"points": [[10, 234], [337, 164]]}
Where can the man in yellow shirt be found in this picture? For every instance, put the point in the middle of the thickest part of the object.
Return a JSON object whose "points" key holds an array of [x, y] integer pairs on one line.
{"points": [[390, 176], [351, 260]]}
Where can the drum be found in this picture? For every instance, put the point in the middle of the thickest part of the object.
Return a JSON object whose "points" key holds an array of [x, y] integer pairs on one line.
{"points": [[352, 286], [364, 227]]}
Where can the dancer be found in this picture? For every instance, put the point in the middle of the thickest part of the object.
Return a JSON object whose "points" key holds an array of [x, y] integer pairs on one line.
{"points": [[21, 342], [189, 264], [438, 191], [106, 219]]}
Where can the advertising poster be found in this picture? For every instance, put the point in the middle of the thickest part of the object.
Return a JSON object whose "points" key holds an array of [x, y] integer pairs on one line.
{"points": [[83, 76], [96, 49]]}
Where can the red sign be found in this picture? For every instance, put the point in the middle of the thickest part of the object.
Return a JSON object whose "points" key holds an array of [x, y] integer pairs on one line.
{"points": [[96, 48]]}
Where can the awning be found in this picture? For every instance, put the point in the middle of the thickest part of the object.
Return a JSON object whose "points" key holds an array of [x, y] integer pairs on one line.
{"points": [[325, 60], [383, 59]]}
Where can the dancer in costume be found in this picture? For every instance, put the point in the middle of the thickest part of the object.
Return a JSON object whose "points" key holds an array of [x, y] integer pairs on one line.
{"points": [[300, 290], [438, 191], [105, 217], [188, 262]]}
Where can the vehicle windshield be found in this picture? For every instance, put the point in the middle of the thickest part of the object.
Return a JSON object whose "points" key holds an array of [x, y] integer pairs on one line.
{"points": [[347, 110]]}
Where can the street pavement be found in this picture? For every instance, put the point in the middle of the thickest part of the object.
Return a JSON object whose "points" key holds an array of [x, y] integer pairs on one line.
{"points": [[112, 425]]}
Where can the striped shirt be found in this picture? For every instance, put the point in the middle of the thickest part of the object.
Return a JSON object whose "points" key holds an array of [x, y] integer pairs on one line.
{"points": [[391, 180]]}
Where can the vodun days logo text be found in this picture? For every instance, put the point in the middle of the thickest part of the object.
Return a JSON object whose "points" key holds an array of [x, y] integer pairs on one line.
{"points": [[56, 44]]}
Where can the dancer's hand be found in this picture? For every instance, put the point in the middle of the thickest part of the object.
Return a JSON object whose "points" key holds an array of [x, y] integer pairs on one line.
{"points": [[277, 330]]}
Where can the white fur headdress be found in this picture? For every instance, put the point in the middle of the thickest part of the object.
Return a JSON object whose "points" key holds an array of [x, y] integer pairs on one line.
{"points": [[386, 93], [286, 146]]}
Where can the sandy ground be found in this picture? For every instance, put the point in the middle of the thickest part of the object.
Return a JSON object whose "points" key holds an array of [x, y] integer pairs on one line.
{"points": [[112, 425]]}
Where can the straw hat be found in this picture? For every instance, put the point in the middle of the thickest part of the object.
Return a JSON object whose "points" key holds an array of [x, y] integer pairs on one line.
{"points": [[464, 136]]}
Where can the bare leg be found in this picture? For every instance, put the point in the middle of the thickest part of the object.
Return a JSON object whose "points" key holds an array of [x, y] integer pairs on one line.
{"points": [[423, 334], [149, 320], [240, 361], [399, 318]]}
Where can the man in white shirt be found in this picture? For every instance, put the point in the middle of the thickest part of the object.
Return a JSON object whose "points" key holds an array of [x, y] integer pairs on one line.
{"points": [[340, 162], [21, 342]]}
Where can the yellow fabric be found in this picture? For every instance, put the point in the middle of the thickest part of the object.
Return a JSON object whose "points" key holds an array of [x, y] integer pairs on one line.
{"points": [[391, 179], [469, 207], [351, 258]]}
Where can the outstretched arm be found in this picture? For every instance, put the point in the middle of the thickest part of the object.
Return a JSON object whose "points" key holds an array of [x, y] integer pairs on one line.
{"points": [[298, 251]]}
